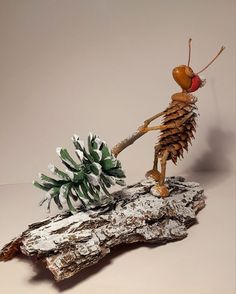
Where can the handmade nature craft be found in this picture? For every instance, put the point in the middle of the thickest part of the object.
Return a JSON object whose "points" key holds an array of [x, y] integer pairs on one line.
{"points": [[157, 209], [178, 126]]}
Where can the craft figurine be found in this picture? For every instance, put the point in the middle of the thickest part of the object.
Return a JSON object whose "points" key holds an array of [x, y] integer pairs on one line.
{"points": [[99, 168], [96, 220], [178, 126]]}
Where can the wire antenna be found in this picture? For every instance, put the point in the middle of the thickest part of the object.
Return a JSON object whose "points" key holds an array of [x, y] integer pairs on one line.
{"points": [[189, 50], [221, 50]]}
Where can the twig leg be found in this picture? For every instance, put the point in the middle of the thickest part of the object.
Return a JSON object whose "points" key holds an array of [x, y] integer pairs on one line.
{"points": [[156, 151], [155, 161], [160, 187], [163, 167], [154, 173]]}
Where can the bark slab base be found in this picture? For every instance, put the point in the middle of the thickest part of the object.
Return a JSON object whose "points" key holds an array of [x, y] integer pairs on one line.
{"points": [[69, 243]]}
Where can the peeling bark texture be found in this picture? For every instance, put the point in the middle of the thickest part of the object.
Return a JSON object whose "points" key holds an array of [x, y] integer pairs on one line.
{"points": [[69, 243]]}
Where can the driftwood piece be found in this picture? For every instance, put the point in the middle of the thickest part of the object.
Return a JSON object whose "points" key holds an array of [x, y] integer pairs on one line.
{"points": [[69, 243]]}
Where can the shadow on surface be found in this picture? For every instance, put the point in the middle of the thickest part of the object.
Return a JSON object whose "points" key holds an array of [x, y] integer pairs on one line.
{"points": [[41, 274], [217, 162]]}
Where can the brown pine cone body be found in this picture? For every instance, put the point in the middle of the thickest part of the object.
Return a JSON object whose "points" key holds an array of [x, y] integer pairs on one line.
{"points": [[175, 140]]}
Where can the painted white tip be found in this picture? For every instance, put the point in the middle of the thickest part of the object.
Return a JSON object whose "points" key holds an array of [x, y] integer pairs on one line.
{"points": [[80, 154], [108, 157], [112, 180], [75, 137], [99, 167], [40, 175], [51, 167], [93, 179], [99, 154], [33, 182], [70, 174], [99, 142], [58, 150], [62, 199], [81, 143], [90, 135]]}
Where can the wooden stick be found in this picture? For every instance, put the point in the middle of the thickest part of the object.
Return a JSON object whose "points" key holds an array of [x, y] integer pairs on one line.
{"points": [[142, 130]]}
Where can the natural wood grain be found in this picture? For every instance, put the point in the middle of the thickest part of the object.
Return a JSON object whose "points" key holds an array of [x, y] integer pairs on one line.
{"points": [[69, 243]]}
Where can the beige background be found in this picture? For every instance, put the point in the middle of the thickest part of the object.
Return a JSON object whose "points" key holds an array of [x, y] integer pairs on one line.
{"points": [[104, 66]]}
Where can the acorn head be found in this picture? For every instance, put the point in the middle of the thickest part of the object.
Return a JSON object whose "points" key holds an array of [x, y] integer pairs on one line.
{"points": [[185, 76], [187, 79]]}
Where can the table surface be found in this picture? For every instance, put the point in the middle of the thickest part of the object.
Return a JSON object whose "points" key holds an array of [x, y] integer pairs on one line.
{"points": [[204, 262]]}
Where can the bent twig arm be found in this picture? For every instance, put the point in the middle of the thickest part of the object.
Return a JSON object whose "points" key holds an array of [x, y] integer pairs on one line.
{"points": [[149, 120], [136, 135], [126, 142], [143, 129]]}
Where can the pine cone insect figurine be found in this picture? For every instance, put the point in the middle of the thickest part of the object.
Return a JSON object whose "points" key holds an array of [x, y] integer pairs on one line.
{"points": [[179, 122], [99, 169], [177, 127]]}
